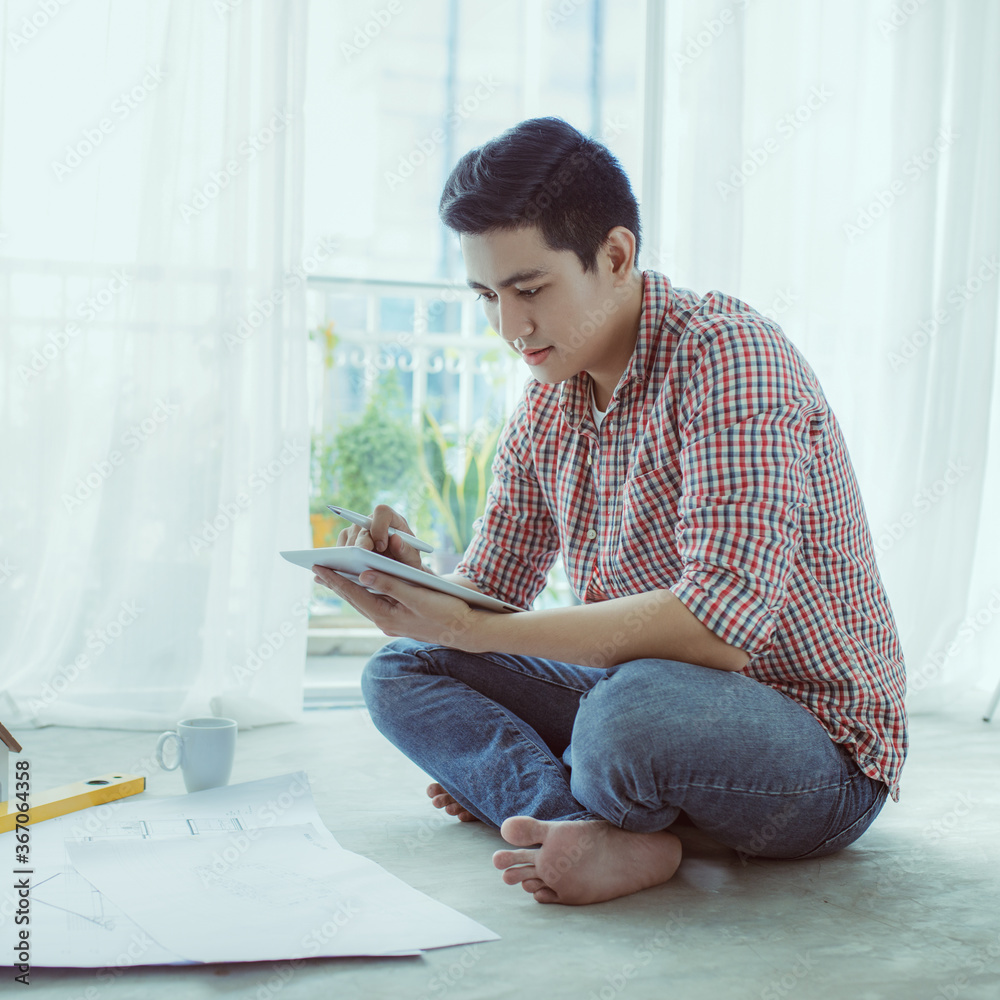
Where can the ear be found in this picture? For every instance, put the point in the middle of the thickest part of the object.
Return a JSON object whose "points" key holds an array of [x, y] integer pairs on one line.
{"points": [[618, 253]]}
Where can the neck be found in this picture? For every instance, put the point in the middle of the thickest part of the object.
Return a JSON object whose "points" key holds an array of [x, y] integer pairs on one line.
{"points": [[623, 337]]}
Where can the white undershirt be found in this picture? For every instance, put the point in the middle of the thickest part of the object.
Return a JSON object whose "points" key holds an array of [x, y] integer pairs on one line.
{"points": [[599, 415]]}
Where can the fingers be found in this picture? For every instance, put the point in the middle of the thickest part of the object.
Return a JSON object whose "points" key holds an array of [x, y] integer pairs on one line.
{"points": [[377, 538], [356, 536], [384, 518]]}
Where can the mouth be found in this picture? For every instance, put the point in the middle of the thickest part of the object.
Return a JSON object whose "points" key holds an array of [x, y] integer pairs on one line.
{"points": [[536, 357]]}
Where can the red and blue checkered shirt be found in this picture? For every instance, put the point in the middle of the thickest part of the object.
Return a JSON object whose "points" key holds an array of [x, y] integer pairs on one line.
{"points": [[719, 473]]}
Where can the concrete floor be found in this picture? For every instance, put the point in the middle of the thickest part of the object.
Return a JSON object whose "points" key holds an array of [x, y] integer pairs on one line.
{"points": [[910, 911]]}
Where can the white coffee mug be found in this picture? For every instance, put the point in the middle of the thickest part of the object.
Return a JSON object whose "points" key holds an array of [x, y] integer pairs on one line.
{"points": [[205, 751]]}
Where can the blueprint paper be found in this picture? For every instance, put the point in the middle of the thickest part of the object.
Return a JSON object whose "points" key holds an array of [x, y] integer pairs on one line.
{"points": [[75, 925], [290, 893]]}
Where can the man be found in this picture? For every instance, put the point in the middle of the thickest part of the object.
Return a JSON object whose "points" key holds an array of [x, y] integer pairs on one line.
{"points": [[734, 658]]}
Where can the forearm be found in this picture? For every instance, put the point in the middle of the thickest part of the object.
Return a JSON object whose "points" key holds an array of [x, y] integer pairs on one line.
{"points": [[652, 625], [462, 581]]}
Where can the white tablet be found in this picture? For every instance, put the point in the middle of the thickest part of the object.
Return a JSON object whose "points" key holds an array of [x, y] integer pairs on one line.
{"points": [[350, 561]]}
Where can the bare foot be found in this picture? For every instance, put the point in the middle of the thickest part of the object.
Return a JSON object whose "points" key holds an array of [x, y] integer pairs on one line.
{"points": [[442, 800], [584, 861]]}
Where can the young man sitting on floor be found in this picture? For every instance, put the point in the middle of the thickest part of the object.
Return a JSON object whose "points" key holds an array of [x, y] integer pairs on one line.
{"points": [[735, 656]]}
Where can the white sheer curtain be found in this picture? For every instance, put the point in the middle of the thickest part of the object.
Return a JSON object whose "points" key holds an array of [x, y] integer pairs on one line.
{"points": [[155, 444], [837, 164]]}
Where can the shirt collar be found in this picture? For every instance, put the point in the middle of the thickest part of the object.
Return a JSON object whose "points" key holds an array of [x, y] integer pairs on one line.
{"points": [[575, 393]]}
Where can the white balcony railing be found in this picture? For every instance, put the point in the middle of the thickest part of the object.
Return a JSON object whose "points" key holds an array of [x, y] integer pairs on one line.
{"points": [[433, 333]]}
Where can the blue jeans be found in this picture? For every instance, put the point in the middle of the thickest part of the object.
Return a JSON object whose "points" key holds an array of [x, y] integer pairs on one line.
{"points": [[635, 744]]}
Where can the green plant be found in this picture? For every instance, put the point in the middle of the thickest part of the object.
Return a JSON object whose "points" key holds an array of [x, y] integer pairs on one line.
{"points": [[457, 498], [322, 479], [374, 459]]}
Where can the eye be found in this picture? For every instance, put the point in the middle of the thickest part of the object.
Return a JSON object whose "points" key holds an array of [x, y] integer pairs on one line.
{"points": [[528, 291], [485, 297]]}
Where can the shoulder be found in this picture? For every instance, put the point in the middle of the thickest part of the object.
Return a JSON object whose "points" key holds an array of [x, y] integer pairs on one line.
{"points": [[723, 330]]}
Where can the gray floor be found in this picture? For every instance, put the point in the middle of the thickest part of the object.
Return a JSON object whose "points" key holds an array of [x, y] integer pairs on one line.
{"points": [[911, 911]]}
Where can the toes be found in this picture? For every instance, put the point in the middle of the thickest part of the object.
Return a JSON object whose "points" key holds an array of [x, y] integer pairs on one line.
{"points": [[532, 884], [504, 859], [441, 799], [546, 895], [520, 873], [523, 831]]}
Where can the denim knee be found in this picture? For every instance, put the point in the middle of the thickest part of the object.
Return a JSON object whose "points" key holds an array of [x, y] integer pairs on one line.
{"points": [[611, 757], [383, 680]]}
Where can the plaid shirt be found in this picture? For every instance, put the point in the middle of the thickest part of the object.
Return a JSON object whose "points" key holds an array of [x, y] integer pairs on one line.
{"points": [[719, 473]]}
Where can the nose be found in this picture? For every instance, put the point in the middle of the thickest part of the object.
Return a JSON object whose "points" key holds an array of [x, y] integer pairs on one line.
{"points": [[513, 322]]}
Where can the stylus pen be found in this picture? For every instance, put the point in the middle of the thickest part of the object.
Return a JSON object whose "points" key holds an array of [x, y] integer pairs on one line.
{"points": [[366, 522]]}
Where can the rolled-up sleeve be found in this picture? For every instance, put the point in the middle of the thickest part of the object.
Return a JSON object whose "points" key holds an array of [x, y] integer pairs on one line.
{"points": [[516, 540], [745, 419]]}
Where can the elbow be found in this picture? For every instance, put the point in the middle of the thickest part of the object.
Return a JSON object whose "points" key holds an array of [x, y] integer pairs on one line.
{"points": [[732, 659]]}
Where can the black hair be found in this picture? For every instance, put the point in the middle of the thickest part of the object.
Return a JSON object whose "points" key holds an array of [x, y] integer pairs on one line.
{"points": [[545, 173]]}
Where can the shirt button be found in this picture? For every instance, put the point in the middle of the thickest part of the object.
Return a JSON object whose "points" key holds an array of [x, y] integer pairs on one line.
{"points": [[591, 534], [590, 461]]}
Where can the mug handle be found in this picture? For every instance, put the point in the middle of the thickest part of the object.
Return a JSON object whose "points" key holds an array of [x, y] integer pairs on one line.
{"points": [[159, 750]]}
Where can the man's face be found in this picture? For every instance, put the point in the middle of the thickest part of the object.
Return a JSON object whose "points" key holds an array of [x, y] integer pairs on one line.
{"points": [[541, 301]]}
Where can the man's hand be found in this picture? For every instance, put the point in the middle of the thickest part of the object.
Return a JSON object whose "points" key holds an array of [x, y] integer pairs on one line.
{"points": [[378, 539], [403, 609]]}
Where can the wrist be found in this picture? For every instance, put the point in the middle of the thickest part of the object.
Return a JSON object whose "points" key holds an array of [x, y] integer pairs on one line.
{"points": [[484, 631]]}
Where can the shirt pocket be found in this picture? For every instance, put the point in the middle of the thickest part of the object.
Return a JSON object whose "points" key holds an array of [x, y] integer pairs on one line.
{"points": [[646, 554]]}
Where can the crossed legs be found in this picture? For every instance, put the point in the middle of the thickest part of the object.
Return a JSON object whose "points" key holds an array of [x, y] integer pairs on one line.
{"points": [[592, 765]]}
